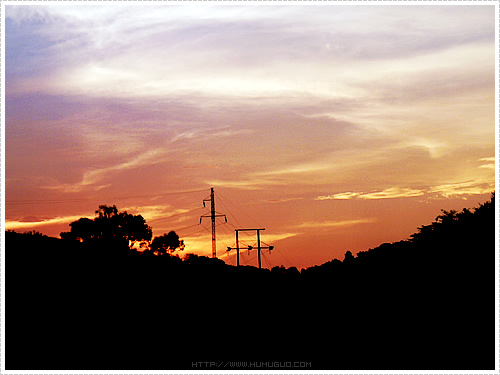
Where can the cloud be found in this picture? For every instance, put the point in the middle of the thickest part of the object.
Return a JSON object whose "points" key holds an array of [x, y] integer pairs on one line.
{"points": [[394, 192], [297, 169], [445, 190], [239, 51], [490, 163], [245, 184], [20, 224], [340, 196], [93, 178], [311, 173], [491, 159], [282, 200], [334, 223], [389, 193], [210, 133], [275, 237], [464, 188]]}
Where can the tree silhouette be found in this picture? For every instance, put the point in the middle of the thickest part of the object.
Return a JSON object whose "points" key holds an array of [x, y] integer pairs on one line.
{"points": [[110, 228], [82, 230], [167, 244], [348, 257], [380, 297]]}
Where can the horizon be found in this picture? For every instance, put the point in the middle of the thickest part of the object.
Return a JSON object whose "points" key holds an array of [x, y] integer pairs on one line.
{"points": [[335, 127], [247, 260]]}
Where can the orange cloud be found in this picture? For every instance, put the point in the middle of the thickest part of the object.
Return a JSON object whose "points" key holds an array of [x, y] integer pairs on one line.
{"points": [[19, 225]]}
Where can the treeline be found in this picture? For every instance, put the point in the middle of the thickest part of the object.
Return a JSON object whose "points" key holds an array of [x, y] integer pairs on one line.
{"points": [[426, 303]]}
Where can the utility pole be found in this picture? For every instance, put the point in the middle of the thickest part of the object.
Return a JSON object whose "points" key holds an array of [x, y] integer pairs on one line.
{"points": [[237, 250], [259, 248], [212, 216]]}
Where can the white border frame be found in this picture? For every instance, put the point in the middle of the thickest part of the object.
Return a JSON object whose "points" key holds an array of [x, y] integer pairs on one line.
{"points": [[255, 370]]}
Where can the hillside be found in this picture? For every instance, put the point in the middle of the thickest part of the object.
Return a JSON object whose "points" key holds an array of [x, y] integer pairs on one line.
{"points": [[396, 306]]}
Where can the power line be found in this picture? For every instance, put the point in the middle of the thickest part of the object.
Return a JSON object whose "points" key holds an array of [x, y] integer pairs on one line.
{"points": [[239, 209], [280, 253], [174, 215], [196, 231], [191, 226], [229, 212], [81, 200], [190, 246]]}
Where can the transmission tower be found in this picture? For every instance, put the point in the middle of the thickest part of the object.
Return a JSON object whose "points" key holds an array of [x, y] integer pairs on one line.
{"points": [[213, 215], [259, 248]]}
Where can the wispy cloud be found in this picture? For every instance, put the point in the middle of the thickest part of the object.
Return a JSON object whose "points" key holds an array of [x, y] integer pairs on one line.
{"points": [[340, 196], [153, 213], [208, 133], [307, 168], [93, 178], [464, 188], [490, 163], [169, 56], [245, 184], [334, 223], [282, 200], [445, 190], [19, 225], [271, 238], [394, 192], [389, 193]]}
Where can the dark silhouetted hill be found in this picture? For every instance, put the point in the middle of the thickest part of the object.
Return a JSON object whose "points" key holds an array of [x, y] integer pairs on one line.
{"points": [[426, 303]]}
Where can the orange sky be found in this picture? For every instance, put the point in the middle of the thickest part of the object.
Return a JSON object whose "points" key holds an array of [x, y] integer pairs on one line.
{"points": [[335, 127]]}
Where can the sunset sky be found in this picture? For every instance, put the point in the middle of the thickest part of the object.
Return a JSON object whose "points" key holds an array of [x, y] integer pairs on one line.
{"points": [[334, 127]]}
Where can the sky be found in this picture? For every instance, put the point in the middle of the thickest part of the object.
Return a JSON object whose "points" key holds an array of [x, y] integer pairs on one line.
{"points": [[335, 127]]}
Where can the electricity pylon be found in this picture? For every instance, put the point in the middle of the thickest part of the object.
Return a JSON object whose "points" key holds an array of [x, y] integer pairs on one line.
{"points": [[259, 248], [213, 215]]}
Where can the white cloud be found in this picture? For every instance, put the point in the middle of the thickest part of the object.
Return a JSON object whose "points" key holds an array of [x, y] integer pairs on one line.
{"points": [[464, 188], [490, 163], [491, 159], [340, 196], [479, 186], [394, 192], [153, 51]]}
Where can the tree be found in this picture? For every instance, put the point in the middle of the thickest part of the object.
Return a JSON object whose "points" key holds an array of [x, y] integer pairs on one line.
{"points": [[167, 244], [348, 258], [82, 230], [110, 228], [135, 229]]}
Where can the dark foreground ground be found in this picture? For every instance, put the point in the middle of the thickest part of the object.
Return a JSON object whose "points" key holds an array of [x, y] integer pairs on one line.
{"points": [[414, 305]]}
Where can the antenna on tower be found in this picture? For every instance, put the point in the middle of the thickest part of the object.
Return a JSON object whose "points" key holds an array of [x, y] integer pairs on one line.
{"points": [[213, 215]]}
